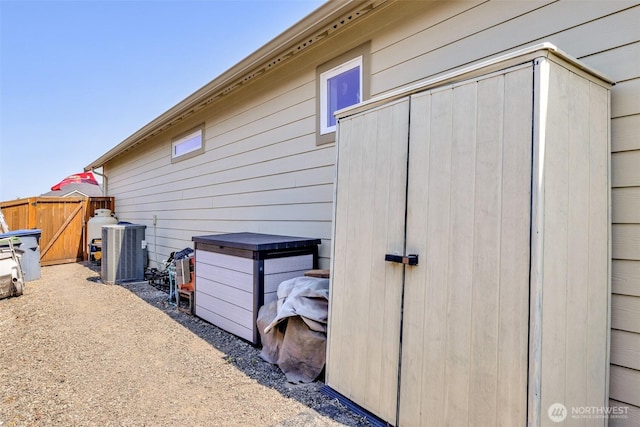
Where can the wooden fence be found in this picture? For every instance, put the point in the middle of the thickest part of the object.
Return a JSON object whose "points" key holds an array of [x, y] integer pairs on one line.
{"points": [[63, 221]]}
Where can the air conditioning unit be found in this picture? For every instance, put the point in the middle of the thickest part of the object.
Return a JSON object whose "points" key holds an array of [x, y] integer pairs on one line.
{"points": [[124, 253]]}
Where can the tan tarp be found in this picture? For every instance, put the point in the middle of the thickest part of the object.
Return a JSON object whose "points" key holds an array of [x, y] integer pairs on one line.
{"points": [[293, 329]]}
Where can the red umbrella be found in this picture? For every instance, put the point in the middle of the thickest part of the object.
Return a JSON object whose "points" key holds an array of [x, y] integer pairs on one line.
{"points": [[77, 178]]}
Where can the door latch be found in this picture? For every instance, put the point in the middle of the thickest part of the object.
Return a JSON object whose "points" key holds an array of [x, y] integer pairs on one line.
{"points": [[411, 259]]}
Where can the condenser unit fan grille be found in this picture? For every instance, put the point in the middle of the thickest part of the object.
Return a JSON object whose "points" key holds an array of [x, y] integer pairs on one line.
{"points": [[123, 253]]}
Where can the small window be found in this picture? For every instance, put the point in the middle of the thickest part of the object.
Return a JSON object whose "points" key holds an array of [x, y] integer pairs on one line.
{"points": [[340, 83], [340, 87], [187, 144]]}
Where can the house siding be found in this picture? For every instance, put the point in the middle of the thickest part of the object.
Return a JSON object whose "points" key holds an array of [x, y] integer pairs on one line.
{"points": [[263, 172]]}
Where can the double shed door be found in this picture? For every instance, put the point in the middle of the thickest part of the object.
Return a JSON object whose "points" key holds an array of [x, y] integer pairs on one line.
{"points": [[444, 174]]}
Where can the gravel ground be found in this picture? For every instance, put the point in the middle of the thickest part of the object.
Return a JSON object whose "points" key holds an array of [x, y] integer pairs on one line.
{"points": [[74, 351]]}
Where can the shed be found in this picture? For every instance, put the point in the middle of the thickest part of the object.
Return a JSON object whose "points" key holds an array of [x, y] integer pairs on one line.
{"points": [[264, 156], [470, 270]]}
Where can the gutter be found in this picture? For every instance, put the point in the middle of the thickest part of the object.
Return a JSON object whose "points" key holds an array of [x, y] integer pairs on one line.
{"points": [[318, 25]]}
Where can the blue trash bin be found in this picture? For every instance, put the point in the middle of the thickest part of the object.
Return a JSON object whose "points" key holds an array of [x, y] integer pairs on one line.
{"points": [[30, 246]]}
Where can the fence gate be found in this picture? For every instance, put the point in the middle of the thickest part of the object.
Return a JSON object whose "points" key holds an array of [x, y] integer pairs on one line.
{"points": [[62, 221]]}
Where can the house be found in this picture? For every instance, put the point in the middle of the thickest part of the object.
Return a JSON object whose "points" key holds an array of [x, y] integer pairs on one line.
{"points": [[76, 190], [254, 150]]}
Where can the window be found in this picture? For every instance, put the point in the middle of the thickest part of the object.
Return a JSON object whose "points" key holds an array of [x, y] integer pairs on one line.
{"points": [[188, 144], [340, 87], [340, 83]]}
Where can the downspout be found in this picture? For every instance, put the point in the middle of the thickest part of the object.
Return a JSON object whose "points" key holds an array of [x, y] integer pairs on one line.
{"points": [[104, 181]]}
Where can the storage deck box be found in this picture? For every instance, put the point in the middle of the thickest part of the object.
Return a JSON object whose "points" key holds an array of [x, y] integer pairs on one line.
{"points": [[237, 273]]}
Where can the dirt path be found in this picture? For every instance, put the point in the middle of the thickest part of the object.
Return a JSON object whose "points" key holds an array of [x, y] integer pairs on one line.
{"points": [[76, 352]]}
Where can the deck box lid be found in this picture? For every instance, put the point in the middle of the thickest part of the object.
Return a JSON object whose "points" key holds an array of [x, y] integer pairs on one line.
{"points": [[256, 241]]}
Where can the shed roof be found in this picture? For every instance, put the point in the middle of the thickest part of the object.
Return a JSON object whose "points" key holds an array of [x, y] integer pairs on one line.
{"points": [[318, 25]]}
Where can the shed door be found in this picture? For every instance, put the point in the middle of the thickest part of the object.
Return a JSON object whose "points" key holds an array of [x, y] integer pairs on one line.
{"points": [[465, 324], [454, 328], [364, 339]]}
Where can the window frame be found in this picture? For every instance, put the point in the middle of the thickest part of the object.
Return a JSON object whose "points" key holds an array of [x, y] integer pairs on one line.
{"points": [[332, 68], [185, 137], [325, 77]]}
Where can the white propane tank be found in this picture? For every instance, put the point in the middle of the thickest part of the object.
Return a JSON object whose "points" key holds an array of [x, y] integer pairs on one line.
{"points": [[94, 225]]}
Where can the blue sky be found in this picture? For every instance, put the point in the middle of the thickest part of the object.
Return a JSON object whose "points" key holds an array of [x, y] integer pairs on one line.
{"points": [[78, 77]]}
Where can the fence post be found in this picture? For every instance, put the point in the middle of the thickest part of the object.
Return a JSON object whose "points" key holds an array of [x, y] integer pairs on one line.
{"points": [[32, 204], [85, 216]]}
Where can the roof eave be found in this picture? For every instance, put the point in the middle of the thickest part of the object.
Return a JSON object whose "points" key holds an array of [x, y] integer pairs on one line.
{"points": [[296, 34]]}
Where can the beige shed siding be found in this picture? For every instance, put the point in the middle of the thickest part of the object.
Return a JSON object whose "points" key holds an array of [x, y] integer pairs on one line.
{"points": [[469, 218], [574, 273], [371, 356], [263, 172]]}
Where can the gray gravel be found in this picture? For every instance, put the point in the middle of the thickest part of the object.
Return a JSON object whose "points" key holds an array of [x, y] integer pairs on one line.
{"points": [[247, 358], [74, 351]]}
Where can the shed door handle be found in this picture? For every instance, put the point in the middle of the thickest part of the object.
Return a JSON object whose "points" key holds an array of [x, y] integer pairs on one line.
{"points": [[411, 259]]}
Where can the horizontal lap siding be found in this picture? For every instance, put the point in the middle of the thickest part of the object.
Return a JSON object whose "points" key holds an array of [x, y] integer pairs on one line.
{"points": [[261, 172], [628, 416], [575, 29], [625, 278], [625, 132], [625, 197]]}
